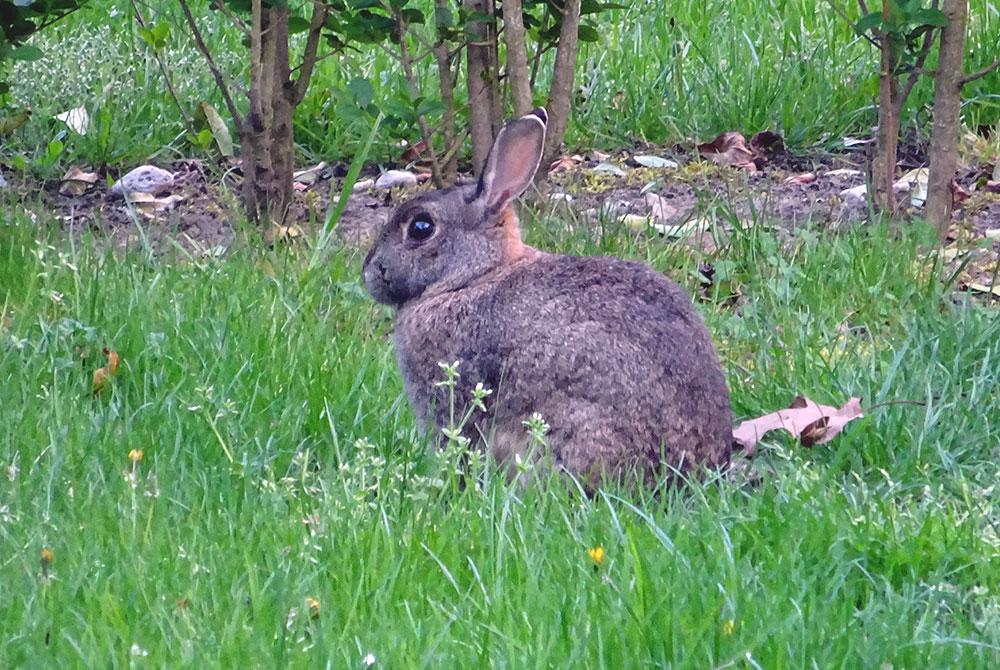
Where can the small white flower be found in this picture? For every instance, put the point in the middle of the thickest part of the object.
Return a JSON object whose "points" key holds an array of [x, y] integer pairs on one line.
{"points": [[136, 650], [369, 660]]}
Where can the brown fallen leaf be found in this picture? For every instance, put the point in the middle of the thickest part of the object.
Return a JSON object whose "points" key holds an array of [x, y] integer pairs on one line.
{"points": [[801, 179], [564, 163], [729, 149], [811, 422], [958, 192], [413, 151], [148, 205], [76, 182], [104, 374]]}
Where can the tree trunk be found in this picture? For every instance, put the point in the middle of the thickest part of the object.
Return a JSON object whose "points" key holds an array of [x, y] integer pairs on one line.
{"points": [[947, 111], [884, 164], [517, 56], [267, 145], [482, 83], [561, 93]]}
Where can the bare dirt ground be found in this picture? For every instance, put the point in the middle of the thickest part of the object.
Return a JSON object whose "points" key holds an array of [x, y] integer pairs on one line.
{"points": [[787, 192]]}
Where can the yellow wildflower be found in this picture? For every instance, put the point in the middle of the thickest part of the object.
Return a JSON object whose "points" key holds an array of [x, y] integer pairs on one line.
{"points": [[46, 559], [596, 555], [313, 605], [727, 626], [135, 457]]}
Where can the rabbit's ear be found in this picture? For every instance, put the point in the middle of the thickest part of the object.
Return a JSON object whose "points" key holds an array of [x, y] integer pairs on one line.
{"points": [[513, 160]]}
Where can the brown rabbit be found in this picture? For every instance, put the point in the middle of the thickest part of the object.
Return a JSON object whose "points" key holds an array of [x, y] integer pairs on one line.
{"points": [[611, 353]]}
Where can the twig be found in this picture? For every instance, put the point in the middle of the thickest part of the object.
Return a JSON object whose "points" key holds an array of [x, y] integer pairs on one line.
{"points": [[918, 67], [842, 14], [978, 74], [425, 135], [188, 124], [237, 21], [220, 81], [309, 55]]}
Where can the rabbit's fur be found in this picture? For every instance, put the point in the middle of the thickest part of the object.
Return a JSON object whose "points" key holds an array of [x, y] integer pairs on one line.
{"points": [[611, 353]]}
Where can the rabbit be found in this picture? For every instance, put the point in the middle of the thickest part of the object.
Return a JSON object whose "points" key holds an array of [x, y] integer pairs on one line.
{"points": [[609, 352]]}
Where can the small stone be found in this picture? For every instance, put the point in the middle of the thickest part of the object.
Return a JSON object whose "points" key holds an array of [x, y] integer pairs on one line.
{"points": [[145, 179], [396, 178], [363, 185], [855, 193], [655, 162], [561, 197]]}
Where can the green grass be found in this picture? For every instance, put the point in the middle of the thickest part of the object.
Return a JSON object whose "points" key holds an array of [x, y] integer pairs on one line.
{"points": [[877, 550], [664, 72]]}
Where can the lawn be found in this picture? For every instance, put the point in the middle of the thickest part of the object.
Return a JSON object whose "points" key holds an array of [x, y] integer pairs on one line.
{"points": [[279, 463], [249, 488]]}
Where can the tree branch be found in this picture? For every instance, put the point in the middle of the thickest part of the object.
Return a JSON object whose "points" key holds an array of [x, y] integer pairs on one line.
{"points": [[309, 55], [166, 74], [918, 66], [220, 81], [411, 81], [864, 11], [979, 74], [240, 25]]}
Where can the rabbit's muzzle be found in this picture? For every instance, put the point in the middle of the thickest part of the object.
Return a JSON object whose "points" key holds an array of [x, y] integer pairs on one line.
{"points": [[380, 283]]}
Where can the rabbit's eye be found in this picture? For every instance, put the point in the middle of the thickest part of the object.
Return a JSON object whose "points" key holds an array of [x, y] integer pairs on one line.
{"points": [[420, 230]]}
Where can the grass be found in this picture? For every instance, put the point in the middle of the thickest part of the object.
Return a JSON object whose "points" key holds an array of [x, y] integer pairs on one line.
{"points": [[665, 73], [877, 550]]}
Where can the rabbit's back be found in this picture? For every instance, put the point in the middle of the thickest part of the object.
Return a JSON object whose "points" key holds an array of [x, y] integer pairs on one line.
{"points": [[610, 353]]}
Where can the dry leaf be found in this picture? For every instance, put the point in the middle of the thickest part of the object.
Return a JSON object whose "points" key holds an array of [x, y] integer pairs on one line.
{"points": [[564, 163], [413, 152], [220, 131], [76, 182], [660, 208], [77, 119], [812, 423], [104, 374], [148, 205], [729, 149], [993, 291], [801, 179], [844, 172], [958, 192], [310, 176], [282, 233]]}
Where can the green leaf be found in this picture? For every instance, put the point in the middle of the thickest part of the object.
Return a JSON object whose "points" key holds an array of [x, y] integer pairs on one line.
{"points": [[594, 7], [929, 17], [443, 16], [362, 90], [414, 16], [297, 24], [26, 52], [868, 22], [588, 33], [219, 130]]}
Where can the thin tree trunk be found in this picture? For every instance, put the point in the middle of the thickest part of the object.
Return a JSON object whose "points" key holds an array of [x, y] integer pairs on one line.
{"points": [[561, 93], [446, 86], [947, 111], [266, 136], [884, 167], [517, 56], [481, 84]]}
